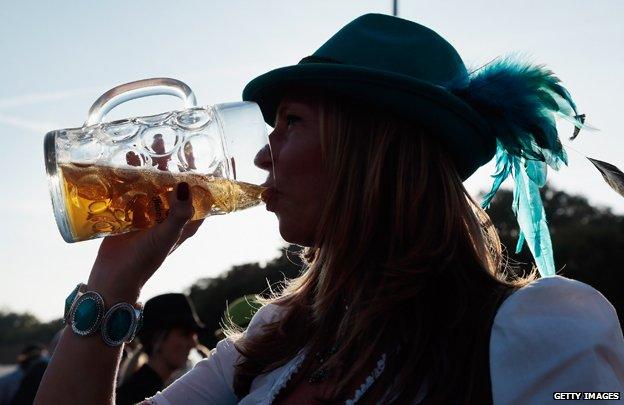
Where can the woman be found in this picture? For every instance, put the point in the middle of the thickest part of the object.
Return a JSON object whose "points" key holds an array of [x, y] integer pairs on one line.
{"points": [[403, 297]]}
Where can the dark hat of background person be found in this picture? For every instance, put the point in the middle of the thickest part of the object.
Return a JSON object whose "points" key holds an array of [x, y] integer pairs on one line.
{"points": [[505, 108], [169, 311]]}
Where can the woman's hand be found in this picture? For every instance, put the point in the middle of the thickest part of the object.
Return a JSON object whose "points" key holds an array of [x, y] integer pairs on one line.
{"points": [[125, 262], [83, 369]]}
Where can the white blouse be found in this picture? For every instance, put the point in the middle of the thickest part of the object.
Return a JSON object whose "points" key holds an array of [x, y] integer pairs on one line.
{"points": [[553, 335]]}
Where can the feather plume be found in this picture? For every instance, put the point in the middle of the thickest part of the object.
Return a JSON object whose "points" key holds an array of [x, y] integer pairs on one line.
{"points": [[520, 102], [611, 174]]}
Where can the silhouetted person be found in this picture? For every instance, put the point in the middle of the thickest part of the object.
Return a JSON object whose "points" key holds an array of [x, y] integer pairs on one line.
{"points": [[25, 394], [30, 355], [168, 334]]}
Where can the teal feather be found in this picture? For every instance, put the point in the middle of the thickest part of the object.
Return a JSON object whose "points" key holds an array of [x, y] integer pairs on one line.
{"points": [[520, 242], [503, 169], [548, 100], [531, 216], [555, 161], [537, 172], [520, 102]]}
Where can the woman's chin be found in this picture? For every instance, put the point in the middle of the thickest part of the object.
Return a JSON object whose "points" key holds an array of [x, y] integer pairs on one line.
{"points": [[295, 234]]}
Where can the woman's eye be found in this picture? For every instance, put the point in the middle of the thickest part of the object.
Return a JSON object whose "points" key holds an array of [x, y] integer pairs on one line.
{"points": [[291, 119]]}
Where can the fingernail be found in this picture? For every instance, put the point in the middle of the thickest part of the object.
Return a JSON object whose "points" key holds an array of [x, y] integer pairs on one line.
{"points": [[183, 191]]}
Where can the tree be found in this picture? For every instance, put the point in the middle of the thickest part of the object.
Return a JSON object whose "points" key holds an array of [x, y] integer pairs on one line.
{"points": [[588, 242], [17, 330], [211, 295]]}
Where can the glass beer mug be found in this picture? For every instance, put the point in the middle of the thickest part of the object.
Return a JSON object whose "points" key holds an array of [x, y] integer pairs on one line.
{"points": [[108, 178]]}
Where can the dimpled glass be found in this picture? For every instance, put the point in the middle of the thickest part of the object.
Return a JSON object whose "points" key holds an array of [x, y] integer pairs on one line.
{"points": [[96, 169]]}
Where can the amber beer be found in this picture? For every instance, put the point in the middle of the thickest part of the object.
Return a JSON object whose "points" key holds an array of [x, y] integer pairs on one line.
{"points": [[104, 200]]}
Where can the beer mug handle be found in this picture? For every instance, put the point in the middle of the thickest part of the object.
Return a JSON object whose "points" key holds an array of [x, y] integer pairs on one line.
{"points": [[140, 88]]}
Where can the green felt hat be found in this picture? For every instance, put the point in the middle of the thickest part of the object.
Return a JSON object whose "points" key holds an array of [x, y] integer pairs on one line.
{"points": [[240, 311], [394, 65]]}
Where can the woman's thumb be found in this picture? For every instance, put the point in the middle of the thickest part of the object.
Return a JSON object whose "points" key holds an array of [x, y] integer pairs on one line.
{"points": [[181, 205], [180, 212]]}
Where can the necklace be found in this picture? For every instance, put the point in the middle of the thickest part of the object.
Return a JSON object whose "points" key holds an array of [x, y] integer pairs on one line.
{"points": [[322, 373]]}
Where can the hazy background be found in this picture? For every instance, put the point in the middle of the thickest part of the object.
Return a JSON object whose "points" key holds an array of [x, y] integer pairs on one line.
{"points": [[57, 59]]}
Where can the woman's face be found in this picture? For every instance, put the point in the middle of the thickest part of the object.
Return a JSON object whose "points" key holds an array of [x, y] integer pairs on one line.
{"points": [[176, 346], [297, 181]]}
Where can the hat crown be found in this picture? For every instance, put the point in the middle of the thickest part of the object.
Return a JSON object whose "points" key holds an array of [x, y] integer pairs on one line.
{"points": [[170, 310], [394, 45], [394, 66]]}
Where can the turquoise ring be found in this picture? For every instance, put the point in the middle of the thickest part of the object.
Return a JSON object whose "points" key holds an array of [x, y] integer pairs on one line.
{"points": [[121, 324], [86, 313]]}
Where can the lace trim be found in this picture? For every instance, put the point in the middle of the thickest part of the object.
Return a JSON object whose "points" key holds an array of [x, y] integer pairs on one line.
{"points": [[359, 393], [283, 379]]}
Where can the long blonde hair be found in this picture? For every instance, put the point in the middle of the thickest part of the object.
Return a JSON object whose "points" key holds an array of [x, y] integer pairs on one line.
{"points": [[403, 258]]}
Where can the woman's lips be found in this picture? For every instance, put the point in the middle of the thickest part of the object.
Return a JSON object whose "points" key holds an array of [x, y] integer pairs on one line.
{"points": [[268, 196]]}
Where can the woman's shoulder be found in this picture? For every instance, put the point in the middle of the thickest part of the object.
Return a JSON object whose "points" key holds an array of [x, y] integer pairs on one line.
{"points": [[555, 334], [556, 302], [556, 312], [266, 314]]}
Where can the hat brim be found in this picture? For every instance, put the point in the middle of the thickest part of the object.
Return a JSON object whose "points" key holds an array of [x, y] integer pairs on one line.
{"points": [[464, 133], [196, 326]]}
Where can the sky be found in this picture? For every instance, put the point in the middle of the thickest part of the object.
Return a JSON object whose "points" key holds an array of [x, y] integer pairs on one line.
{"points": [[58, 58]]}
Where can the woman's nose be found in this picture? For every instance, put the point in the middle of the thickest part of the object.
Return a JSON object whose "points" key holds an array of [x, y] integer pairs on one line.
{"points": [[263, 158]]}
